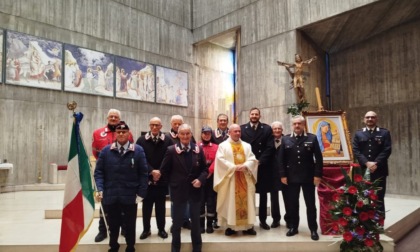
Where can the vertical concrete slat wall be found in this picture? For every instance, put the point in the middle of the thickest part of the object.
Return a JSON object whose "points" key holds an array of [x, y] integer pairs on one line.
{"points": [[383, 75]]}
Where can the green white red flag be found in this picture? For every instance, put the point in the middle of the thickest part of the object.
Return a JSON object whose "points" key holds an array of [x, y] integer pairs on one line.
{"points": [[79, 206]]}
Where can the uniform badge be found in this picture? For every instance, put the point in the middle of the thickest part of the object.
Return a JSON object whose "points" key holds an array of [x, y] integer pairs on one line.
{"points": [[103, 134]]}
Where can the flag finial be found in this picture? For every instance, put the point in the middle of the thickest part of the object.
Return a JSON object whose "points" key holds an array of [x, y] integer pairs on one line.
{"points": [[72, 105]]}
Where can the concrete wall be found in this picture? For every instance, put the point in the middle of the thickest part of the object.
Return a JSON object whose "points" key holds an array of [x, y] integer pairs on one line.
{"points": [[36, 121], [382, 74]]}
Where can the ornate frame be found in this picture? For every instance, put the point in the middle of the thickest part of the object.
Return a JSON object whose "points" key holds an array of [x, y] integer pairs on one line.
{"points": [[335, 143]]}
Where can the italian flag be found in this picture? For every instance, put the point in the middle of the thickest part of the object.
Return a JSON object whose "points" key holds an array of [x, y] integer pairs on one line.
{"points": [[79, 206]]}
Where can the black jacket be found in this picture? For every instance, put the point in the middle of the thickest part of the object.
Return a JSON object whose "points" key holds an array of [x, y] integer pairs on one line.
{"points": [[301, 159]]}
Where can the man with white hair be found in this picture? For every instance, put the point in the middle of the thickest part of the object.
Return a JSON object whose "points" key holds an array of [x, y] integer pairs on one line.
{"points": [[184, 167]]}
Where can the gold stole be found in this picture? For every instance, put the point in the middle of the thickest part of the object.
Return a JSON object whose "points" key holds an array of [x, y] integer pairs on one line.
{"points": [[241, 194]]}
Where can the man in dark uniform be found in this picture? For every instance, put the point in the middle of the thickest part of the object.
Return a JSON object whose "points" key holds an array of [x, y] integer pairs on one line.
{"points": [[222, 132], [219, 135], [155, 144], [102, 137], [372, 148], [301, 167], [121, 180], [184, 167], [260, 136]]}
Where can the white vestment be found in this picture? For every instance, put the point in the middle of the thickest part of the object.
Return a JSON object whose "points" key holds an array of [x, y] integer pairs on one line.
{"points": [[224, 184]]}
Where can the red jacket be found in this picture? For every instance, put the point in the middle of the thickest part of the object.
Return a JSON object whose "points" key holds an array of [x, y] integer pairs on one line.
{"points": [[102, 137], [210, 154]]}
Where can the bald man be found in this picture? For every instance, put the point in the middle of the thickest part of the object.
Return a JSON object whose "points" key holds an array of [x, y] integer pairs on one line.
{"points": [[372, 148], [235, 175]]}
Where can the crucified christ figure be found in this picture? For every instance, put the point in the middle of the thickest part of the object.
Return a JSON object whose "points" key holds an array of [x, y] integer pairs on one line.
{"points": [[297, 82]]}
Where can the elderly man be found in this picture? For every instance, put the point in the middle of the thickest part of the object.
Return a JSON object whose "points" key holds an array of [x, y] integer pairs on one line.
{"points": [[184, 167], [121, 180], [274, 185], [102, 137], [155, 144], [372, 148], [301, 167], [235, 175]]}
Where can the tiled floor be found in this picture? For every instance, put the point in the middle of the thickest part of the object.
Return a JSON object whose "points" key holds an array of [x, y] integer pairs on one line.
{"points": [[22, 222]]}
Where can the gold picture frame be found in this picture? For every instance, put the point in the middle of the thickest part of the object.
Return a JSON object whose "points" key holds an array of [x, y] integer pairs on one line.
{"points": [[330, 127]]}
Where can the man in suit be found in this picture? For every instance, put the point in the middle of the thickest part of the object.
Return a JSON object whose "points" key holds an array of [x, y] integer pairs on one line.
{"points": [[184, 167], [301, 167], [275, 183], [155, 144], [260, 136], [372, 148]]}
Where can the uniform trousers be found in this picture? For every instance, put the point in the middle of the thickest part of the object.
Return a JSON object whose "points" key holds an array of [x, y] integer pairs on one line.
{"points": [[293, 192], [275, 207], [155, 195], [179, 208], [129, 219]]}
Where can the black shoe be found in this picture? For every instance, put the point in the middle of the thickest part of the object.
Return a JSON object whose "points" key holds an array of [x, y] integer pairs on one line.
{"points": [[162, 234], [187, 225], [202, 230], [275, 224], [292, 232], [230, 232], [250, 231], [144, 235], [265, 226], [100, 236], [215, 226], [314, 236], [209, 229], [123, 232]]}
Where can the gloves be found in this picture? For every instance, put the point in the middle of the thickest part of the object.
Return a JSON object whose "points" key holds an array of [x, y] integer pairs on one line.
{"points": [[138, 199]]}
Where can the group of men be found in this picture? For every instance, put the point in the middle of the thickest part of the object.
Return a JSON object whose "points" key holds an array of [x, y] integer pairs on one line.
{"points": [[216, 179]]}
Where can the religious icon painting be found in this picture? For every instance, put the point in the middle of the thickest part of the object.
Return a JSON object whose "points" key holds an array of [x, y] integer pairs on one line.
{"points": [[171, 86], [330, 127], [134, 80], [33, 61], [88, 71]]}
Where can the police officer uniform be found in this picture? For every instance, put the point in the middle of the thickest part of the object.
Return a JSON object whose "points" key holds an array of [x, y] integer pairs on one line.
{"points": [[374, 145]]}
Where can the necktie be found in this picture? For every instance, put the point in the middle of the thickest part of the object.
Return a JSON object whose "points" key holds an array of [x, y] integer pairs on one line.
{"points": [[254, 127], [185, 149], [277, 141], [121, 150], [155, 139]]}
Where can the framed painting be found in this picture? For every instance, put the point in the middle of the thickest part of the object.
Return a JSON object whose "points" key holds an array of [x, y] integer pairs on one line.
{"points": [[171, 86], [32, 61], [333, 136], [134, 80], [88, 71]]}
